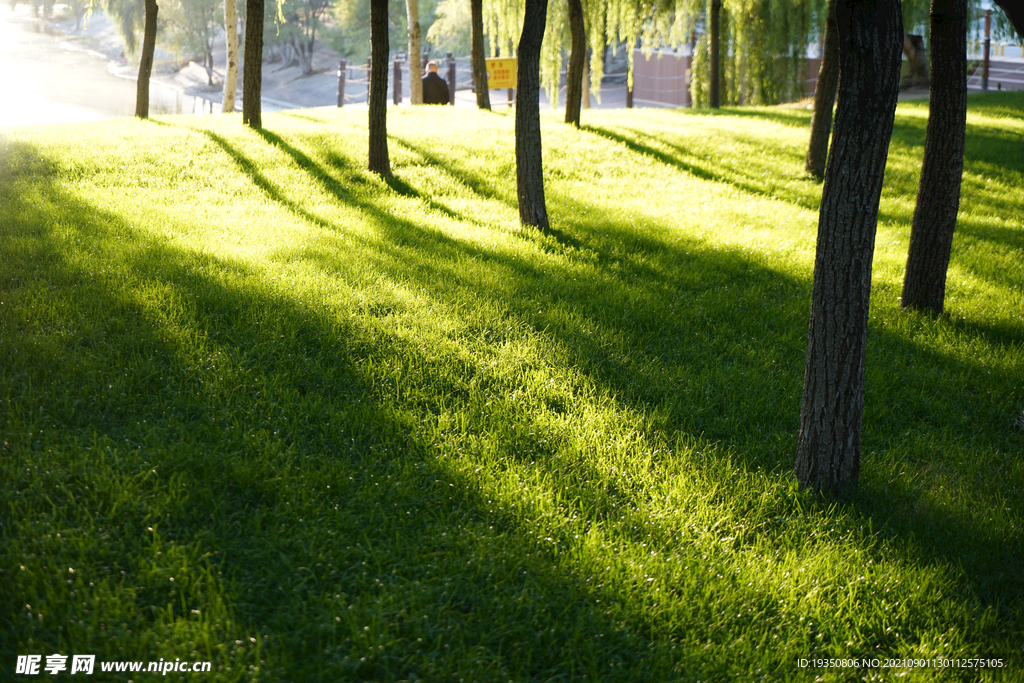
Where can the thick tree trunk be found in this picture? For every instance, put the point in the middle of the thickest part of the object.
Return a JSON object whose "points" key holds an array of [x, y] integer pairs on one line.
{"points": [[1014, 10], [577, 60], [824, 96], [252, 68], [412, 8], [231, 72], [529, 167], [479, 59], [714, 56], [828, 448], [379, 48], [146, 62], [938, 197]]}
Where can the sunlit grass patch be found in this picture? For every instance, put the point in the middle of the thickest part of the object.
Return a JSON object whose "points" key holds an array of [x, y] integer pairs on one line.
{"points": [[379, 431]]}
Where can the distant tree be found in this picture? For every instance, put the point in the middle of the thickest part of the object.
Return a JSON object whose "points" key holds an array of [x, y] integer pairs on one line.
{"points": [[824, 97], [529, 166], [303, 20], [379, 47], [478, 55], [192, 26], [252, 67], [146, 61], [831, 411], [938, 196], [577, 60], [231, 70]]}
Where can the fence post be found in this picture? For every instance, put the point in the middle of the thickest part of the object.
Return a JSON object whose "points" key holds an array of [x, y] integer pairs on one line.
{"points": [[342, 68], [369, 63], [451, 80], [511, 96], [397, 82], [629, 97], [424, 58]]}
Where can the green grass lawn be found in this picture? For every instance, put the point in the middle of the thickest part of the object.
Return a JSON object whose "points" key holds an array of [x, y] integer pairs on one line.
{"points": [[263, 409]]}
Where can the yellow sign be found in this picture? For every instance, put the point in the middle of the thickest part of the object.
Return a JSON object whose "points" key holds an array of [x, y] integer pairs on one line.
{"points": [[501, 72]]}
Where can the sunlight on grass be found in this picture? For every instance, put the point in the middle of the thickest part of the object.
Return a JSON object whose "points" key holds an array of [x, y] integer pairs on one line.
{"points": [[281, 415]]}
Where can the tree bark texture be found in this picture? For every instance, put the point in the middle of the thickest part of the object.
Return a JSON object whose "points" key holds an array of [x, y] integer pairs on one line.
{"points": [[146, 61], [412, 8], [870, 44], [714, 54], [824, 97], [938, 196], [529, 167], [478, 54], [231, 72], [252, 67], [379, 48], [577, 59]]}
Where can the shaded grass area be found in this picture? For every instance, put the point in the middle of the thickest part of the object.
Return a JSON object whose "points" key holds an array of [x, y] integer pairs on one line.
{"points": [[263, 409]]}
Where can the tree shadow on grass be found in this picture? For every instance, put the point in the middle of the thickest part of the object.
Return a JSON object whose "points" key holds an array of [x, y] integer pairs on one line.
{"points": [[333, 541], [653, 324]]}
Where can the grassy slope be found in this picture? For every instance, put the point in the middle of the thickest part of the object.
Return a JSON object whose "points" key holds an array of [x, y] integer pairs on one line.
{"points": [[260, 408]]}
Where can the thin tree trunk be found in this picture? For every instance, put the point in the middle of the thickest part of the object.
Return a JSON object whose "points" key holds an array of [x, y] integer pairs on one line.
{"points": [[379, 48], [714, 57], [824, 97], [577, 59], [412, 8], [146, 62], [529, 166], [231, 72], [828, 447], [252, 68], [938, 197], [483, 93]]}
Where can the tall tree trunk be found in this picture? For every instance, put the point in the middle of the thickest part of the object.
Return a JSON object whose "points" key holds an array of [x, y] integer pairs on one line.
{"points": [[714, 56], [146, 62], [379, 48], [577, 60], [938, 197], [231, 72], [412, 8], [828, 448], [824, 96], [529, 166], [483, 93], [252, 67]]}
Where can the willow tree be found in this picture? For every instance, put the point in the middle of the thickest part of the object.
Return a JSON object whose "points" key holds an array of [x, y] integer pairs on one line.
{"points": [[130, 17], [231, 72], [824, 97], [146, 61], [832, 406], [479, 54], [252, 67], [938, 196], [412, 9], [529, 166], [378, 96], [577, 60]]}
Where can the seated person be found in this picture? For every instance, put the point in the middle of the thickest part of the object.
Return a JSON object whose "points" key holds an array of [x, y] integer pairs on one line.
{"points": [[435, 90]]}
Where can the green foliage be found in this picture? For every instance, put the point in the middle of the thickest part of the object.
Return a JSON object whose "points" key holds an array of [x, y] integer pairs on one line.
{"points": [[451, 31], [129, 17], [262, 408], [191, 26]]}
